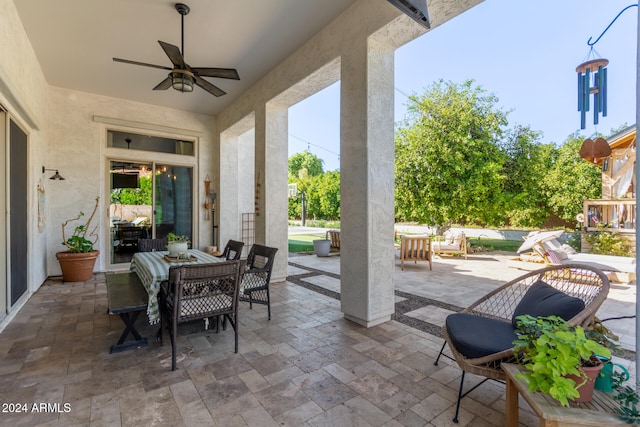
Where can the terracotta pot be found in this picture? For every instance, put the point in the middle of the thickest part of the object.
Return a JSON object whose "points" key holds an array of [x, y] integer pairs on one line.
{"points": [[586, 389], [77, 267]]}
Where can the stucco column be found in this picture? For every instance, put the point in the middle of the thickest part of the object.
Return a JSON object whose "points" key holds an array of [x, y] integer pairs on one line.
{"points": [[271, 166], [366, 168]]}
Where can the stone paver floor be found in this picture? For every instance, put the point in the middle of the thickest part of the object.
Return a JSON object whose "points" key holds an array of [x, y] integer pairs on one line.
{"points": [[307, 366]]}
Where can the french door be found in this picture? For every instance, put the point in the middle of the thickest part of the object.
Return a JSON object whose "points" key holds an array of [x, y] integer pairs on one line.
{"points": [[147, 200]]}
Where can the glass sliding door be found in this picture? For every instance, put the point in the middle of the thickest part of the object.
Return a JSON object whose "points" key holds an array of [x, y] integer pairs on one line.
{"points": [[147, 200], [173, 201]]}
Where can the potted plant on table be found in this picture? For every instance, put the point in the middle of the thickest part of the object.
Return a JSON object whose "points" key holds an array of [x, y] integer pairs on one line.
{"points": [[78, 260], [559, 359], [177, 245]]}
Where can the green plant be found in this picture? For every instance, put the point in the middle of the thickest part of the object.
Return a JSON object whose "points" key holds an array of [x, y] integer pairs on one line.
{"points": [[173, 237], [550, 350], [78, 241], [607, 243]]}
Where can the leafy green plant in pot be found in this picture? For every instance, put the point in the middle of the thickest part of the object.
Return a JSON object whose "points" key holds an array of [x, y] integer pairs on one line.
{"points": [[78, 260], [557, 357]]}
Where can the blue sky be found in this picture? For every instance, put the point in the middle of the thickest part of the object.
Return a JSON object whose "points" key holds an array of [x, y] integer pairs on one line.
{"points": [[524, 52]]}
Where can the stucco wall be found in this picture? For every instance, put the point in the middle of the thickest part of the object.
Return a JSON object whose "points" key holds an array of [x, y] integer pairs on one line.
{"points": [[77, 147], [23, 91]]}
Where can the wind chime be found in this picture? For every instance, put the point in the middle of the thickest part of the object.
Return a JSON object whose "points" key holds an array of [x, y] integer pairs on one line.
{"points": [[592, 80]]}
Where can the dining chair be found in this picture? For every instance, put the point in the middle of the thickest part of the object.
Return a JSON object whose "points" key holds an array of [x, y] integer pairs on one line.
{"points": [[200, 291], [257, 275], [232, 251], [152, 245]]}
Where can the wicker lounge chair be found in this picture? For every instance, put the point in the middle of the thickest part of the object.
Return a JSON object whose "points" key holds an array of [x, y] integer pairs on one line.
{"points": [[255, 282], [480, 337], [415, 248], [200, 291]]}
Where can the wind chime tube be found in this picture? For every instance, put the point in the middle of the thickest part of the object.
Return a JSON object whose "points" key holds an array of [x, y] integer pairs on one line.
{"points": [[596, 98], [579, 91], [604, 92]]}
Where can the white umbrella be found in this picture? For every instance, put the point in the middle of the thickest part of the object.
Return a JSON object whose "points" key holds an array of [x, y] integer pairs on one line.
{"points": [[536, 237]]}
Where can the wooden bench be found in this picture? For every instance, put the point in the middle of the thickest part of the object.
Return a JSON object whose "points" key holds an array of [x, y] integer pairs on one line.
{"points": [[127, 298]]}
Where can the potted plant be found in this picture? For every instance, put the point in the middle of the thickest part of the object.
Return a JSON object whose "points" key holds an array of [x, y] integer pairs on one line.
{"points": [[559, 359], [177, 245], [78, 260]]}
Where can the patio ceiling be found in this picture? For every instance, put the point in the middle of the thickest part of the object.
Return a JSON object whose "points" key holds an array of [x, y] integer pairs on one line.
{"points": [[75, 41]]}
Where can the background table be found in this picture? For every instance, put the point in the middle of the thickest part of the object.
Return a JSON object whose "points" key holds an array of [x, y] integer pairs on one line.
{"points": [[152, 269], [598, 412]]}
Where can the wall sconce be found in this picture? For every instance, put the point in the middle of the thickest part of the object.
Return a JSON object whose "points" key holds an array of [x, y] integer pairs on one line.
{"points": [[56, 176]]}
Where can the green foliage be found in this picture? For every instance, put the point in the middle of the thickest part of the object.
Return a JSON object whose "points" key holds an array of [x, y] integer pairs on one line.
{"points": [[322, 194], [552, 349], [134, 196], [78, 241], [571, 180], [173, 237], [305, 161], [607, 243], [448, 167], [526, 164]]}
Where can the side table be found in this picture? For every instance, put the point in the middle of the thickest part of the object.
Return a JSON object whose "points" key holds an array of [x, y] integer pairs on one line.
{"points": [[599, 412]]}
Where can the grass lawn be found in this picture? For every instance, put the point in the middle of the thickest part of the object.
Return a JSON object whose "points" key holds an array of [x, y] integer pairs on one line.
{"points": [[491, 245], [302, 242]]}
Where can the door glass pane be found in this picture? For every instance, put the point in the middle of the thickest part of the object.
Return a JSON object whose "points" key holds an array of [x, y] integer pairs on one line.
{"points": [[173, 207], [130, 208]]}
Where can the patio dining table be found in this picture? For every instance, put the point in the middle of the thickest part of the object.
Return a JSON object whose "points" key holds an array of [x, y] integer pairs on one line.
{"points": [[153, 268]]}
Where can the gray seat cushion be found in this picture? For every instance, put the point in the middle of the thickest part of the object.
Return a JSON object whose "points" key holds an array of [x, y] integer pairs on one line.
{"points": [[474, 336]]}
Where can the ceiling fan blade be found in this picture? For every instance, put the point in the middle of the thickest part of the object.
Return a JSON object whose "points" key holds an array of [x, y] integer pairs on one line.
{"points": [[164, 85], [174, 55], [144, 64], [222, 73], [213, 90]]}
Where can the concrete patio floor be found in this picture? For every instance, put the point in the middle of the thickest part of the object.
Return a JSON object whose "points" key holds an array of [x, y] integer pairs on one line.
{"points": [[307, 366]]}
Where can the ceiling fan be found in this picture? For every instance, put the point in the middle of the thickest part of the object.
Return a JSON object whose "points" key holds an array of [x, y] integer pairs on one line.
{"points": [[182, 77]]}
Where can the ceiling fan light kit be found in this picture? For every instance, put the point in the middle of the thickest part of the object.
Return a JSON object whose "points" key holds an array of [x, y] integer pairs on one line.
{"points": [[183, 77], [182, 80]]}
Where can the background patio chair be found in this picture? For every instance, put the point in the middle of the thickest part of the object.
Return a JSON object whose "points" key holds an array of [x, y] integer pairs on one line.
{"points": [[200, 291], [256, 278], [455, 243], [480, 337], [152, 245], [232, 251], [415, 248], [334, 236]]}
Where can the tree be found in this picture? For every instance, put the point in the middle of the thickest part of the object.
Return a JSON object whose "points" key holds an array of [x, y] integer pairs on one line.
{"points": [[571, 180], [305, 160], [448, 165], [526, 165]]}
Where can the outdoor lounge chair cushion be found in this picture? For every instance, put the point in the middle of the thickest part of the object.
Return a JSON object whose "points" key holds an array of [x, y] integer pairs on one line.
{"points": [[476, 336], [544, 300]]}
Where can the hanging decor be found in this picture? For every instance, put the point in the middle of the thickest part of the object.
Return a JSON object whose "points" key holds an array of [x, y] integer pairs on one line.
{"points": [[592, 150], [592, 79], [208, 203]]}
